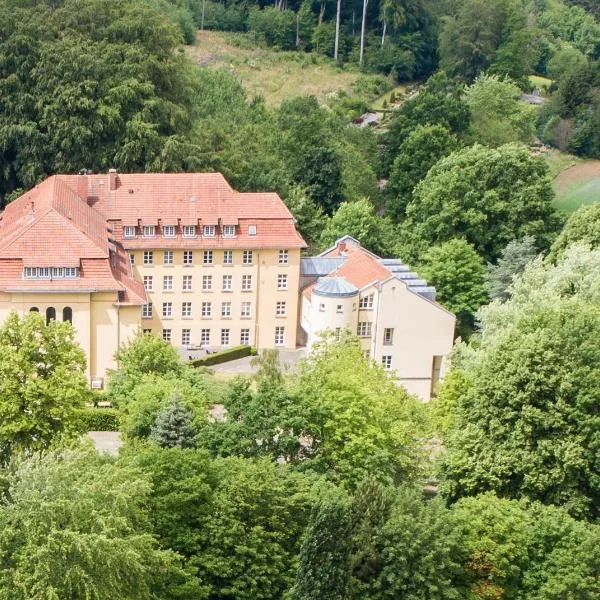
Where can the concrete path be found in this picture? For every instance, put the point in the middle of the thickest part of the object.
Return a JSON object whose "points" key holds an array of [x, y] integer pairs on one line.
{"points": [[288, 358], [107, 441]]}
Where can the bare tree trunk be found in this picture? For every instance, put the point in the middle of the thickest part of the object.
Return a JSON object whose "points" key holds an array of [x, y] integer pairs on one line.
{"points": [[383, 34], [322, 12], [353, 23], [297, 29], [362, 32], [202, 19], [337, 30]]}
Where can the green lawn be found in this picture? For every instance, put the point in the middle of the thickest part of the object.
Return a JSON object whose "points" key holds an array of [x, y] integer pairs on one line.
{"points": [[582, 193]]}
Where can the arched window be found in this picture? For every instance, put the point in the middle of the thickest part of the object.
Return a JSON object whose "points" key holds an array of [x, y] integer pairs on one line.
{"points": [[34, 309], [68, 314], [50, 314]]}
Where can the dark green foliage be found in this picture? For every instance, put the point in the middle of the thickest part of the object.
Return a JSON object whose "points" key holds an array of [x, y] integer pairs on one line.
{"points": [[278, 27], [324, 562], [583, 226], [515, 257], [216, 358], [486, 196], [100, 419], [174, 426]]}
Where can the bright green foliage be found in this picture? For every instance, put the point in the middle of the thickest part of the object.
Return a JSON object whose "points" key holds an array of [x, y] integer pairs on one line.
{"points": [[487, 196], [497, 114], [324, 563], [424, 147], [418, 553], [174, 426], [443, 406], [526, 426], [73, 525], [92, 83], [354, 419], [278, 27], [42, 383], [310, 218], [515, 257], [566, 60], [458, 274], [360, 220], [583, 226], [526, 551]]}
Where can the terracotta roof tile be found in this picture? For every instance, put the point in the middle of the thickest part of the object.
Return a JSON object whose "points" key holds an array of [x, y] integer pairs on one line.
{"points": [[361, 269]]}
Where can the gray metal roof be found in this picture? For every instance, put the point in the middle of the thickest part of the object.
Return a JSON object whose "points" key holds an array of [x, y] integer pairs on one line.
{"points": [[334, 286], [319, 266]]}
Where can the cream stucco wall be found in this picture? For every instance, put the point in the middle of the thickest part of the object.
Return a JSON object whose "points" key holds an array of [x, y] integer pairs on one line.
{"points": [[263, 296], [330, 312]]}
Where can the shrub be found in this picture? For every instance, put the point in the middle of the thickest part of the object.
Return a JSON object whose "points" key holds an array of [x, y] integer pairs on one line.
{"points": [[100, 419], [224, 356]]}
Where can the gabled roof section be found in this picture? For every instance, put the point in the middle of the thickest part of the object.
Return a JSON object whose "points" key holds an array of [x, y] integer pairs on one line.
{"points": [[361, 268]]}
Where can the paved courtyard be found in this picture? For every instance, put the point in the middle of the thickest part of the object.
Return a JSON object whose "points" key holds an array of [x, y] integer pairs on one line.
{"points": [[288, 358], [107, 441]]}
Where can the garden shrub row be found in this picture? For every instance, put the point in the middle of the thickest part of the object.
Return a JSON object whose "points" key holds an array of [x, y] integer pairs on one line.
{"points": [[100, 419], [224, 356]]}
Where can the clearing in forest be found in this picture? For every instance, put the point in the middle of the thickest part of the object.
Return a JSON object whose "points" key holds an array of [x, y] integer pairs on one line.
{"points": [[577, 184], [276, 75]]}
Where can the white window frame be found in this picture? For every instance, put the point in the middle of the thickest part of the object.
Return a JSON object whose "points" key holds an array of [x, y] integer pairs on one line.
{"points": [[148, 231], [188, 257], [388, 340], [169, 231], [207, 310], [281, 308], [186, 337], [246, 310], [279, 335], [147, 311], [167, 310], [167, 335], [189, 231], [207, 283], [129, 232], [187, 283], [226, 310], [209, 231], [229, 231], [227, 257], [167, 283], [131, 258], [282, 281], [207, 257], [148, 257], [364, 329], [227, 283], [246, 283], [247, 257], [168, 257], [225, 336], [186, 310], [149, 283], [252, 229], [245, 336], [283, 257], [386, 362], [205, 337], [365, 302]]}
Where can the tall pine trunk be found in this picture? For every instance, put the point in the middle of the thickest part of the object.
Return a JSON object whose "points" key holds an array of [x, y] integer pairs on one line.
{"points": [[337, 30], [362, 31], [383, 34]]}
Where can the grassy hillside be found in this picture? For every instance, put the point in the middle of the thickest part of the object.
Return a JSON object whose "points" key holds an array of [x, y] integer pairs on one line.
{"points": [[576, 181], [275, 75]]}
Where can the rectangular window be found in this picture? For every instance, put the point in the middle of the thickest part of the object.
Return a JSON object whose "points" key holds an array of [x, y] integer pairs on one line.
{"points": [[208, 257], [282, 282], [169, 231], [148, 257], [366, 302], [321, 308], [224, 337], [167, 310], [147, 311], [251, 229], [228, 257], [146, 331], [167, 283], [245, 337], [204, 337], [386, 361], [339, 308], [283, 257], [148, 231], [388, 336], [364, 329], [279, 336], [186, 337], [188, 257], [207, 309], [209, 231], [246, 283], [186, 309], [148, 283], [281, 309], [166, 335], [50, 272], [187, 283], [247, 257], [226, 309], [246, 309], [227, 283], [206, 283], [367, 353], [228, 230], [168, 257], [189, 231], [131, 258], [129, 231]]}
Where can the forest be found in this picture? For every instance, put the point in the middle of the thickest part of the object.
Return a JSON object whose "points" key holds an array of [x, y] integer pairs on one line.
{"points": [[331, 483]]}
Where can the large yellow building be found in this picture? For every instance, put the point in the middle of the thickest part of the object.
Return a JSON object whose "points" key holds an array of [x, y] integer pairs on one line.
{"points": [[181, 255]]}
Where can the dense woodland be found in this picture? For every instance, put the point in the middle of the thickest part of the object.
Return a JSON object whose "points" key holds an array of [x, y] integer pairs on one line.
{"points": [[332, 483]]}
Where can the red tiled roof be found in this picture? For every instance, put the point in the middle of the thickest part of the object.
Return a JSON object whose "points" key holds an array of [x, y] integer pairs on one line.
{"points": [[189, 199], [360, 268]]}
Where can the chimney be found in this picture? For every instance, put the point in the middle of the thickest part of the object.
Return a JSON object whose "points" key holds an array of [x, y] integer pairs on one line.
{"points": [[342, 246], [31, 212], [82, 184], [112, 180]]}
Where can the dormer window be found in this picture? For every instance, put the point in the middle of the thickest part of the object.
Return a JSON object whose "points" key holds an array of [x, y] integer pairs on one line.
{"points": [[129, 231], [169, 231], [189, 231], [228, 230], [209, 231], [50, 273], [148, 231], [251, 229]]}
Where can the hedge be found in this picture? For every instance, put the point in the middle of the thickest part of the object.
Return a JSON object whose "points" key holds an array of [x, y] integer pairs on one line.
{"points": [[224, 356], [100, 419]]}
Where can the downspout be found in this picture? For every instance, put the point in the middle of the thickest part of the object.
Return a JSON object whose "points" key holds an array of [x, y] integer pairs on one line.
{"points": [[256, 327]]}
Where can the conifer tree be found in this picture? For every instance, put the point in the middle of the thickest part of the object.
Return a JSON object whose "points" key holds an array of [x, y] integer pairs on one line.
{"points": [[174, 427]]}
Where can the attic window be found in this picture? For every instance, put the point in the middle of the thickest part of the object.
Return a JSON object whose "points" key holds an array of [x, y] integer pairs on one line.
{"points": [[129, 231], [251, 229], [209, 231], [50, 272], [189, 231], [169, 231], [148, 231], [228, 230]]}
